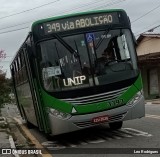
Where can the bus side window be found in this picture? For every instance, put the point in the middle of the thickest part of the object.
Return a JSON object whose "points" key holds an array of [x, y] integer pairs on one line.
{"points": [[13, 74]]}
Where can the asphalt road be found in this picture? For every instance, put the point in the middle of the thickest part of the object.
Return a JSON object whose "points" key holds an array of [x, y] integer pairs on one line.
{"points": [[95, 142]]}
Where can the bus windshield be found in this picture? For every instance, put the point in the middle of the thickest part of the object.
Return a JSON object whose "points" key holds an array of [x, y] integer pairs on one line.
{"points": [[103, 57]]}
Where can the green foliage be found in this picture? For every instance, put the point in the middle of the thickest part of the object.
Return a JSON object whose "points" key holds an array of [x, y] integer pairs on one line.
{"points": [[5, 88]]}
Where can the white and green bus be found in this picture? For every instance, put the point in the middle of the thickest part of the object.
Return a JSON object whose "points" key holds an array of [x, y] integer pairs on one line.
{"points": [[61, 82]]}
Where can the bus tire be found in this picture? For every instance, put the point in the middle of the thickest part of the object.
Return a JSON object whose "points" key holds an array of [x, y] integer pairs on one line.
{"points": [[116, 125], [29, 125], [49, 136]]}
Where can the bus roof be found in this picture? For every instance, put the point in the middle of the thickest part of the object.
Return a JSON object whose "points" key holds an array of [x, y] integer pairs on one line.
{"points": [[74, 14]]}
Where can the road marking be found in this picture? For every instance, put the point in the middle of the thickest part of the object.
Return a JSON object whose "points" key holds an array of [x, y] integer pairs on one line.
{"points": [[31, 137], [101, 136], [121, 134], [137, 132], [97, 141], [152, 116]]}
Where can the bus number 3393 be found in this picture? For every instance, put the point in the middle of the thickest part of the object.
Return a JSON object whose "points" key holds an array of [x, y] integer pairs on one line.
{"points": [[117, 102]]}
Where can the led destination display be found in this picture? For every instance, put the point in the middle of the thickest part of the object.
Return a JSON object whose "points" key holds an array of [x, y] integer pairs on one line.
{"points": [[78, 22]]}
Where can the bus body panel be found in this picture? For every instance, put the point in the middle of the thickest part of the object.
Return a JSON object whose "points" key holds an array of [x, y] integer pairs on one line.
{"points": [[66, 107], [132, 108], [26, 102], [38, 106]]}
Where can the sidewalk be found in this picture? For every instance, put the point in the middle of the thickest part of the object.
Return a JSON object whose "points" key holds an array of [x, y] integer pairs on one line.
{"points": [[12, 135], [6, 140], [153, 101]]}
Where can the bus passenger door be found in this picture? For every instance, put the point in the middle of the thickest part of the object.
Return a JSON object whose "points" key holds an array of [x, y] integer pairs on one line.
{"points": [[29, 106], [37, 107]]}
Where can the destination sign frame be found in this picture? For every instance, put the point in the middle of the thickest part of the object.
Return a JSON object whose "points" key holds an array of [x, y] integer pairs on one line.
{"points": [[78, 22]]}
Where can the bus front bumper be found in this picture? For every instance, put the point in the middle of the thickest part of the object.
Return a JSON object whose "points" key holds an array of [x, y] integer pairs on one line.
{"points": [[126, 112]]}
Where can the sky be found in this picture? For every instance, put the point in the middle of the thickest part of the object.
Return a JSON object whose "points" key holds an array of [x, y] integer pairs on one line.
{"points": [[16, 17]]}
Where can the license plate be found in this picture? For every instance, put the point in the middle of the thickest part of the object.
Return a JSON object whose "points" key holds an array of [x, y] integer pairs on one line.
{"points": [[100, 119]]}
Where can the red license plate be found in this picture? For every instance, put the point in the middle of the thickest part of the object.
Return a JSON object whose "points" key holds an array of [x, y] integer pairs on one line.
{"points": [[100, 119]]}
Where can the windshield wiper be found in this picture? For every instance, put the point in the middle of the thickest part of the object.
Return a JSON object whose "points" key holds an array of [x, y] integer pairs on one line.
{"points": [[67, 46], [100, 40]]}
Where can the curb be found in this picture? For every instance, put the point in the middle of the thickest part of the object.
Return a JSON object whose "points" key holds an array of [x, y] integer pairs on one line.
{"points": [[13, 145], [5, 128], [153, 101], [31, 138]]}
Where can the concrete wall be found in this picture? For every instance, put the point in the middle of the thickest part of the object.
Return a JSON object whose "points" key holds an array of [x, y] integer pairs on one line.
{"points": [[145, 72], [148, 45]]}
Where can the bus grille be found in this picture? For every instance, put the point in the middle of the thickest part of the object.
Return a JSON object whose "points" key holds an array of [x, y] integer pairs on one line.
{"points": [[114, 118], [96, 98]]}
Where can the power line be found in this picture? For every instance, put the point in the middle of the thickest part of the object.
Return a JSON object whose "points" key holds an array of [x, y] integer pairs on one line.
{"points": [[82, 6], [15, 25], [150, 28], [13, 30], [111, 4], [5, 61], [28, 9], [146, 14], [51, 15]]}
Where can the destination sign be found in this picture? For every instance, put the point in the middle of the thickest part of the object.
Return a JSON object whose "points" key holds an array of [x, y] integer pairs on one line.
{"points": [[78, 22]]}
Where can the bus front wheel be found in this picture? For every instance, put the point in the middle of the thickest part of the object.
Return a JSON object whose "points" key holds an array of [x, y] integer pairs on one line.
{"points": [[116, 125]]}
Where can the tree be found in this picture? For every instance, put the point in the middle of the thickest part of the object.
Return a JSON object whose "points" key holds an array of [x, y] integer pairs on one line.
{"points": [[5, 88]]}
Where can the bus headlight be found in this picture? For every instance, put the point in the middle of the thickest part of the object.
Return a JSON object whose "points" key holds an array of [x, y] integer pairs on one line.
{"points": [[135, 99], [59, 114]]}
